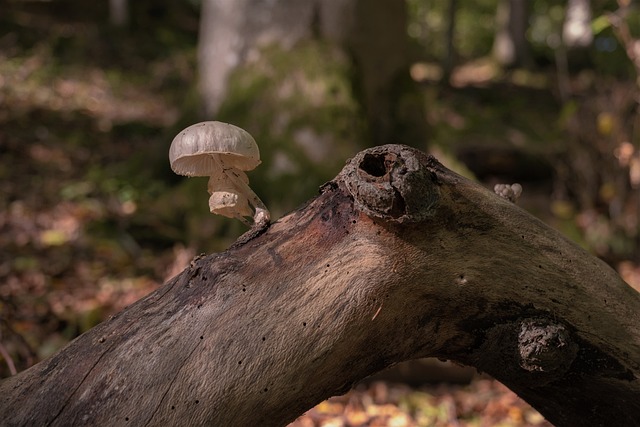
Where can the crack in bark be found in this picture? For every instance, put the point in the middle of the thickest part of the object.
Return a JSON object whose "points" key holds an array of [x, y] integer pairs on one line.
{"points": [[89, 371], [171, 384]]}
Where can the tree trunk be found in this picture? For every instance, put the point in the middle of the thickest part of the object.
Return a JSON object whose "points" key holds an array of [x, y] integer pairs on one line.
{"points": [[232, 30], [119, 13], [510, 47], [370, 32], [576, 29], [398, 258], [449, 59]]}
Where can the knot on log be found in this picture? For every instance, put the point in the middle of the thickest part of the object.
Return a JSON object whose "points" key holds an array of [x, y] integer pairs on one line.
{"points": [[545, 346], [393, 183]]}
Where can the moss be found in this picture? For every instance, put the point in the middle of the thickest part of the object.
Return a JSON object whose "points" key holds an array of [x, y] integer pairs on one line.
{"points": [[299, 106]]}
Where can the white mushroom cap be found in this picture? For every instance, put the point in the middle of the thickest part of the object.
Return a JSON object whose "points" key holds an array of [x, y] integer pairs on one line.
{"points": [[222, 152], [192, 150]]}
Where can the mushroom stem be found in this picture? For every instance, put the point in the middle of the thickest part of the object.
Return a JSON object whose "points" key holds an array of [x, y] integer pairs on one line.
{"points": [[227, 202], [261, 216]]}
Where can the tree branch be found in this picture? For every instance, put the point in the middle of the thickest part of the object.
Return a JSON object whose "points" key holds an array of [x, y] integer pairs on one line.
{"points": [[398, 258]]}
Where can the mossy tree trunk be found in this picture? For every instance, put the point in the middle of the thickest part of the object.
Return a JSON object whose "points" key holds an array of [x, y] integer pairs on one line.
{"points": [[398, 258], [371, 33]]}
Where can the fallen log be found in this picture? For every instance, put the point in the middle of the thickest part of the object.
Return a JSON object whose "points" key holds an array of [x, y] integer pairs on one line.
{"points": [[398, 258]]}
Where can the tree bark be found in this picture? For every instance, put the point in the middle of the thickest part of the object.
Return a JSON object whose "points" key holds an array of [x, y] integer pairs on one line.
{"points": [[398, 258]]}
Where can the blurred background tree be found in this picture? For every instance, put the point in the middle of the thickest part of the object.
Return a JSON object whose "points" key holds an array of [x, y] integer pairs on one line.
{"points": [[542, 92], [312, 81]]}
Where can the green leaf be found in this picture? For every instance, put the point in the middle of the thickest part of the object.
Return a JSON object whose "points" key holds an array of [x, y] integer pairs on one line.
{"points": [[600, 24]]}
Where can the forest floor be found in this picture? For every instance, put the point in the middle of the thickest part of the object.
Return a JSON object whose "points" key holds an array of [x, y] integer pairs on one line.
{"points": [[86, 226], [482, 403]]}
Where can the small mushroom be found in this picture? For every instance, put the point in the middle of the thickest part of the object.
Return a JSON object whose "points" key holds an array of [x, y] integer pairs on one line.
{"points": [[222, 152], [510, 192]]}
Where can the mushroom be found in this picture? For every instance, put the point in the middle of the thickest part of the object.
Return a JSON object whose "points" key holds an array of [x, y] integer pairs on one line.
{"points": [[510, 192], [222, 152]]}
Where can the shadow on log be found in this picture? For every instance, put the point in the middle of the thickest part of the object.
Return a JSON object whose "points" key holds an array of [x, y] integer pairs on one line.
{"points": [[398, 258]]}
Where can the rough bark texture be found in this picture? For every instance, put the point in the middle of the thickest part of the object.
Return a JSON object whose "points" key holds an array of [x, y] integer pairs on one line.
{"points": [[397, 258]]}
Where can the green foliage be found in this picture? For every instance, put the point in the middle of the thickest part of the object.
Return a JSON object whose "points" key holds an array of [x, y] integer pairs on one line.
{"points": [[474, 27]]}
